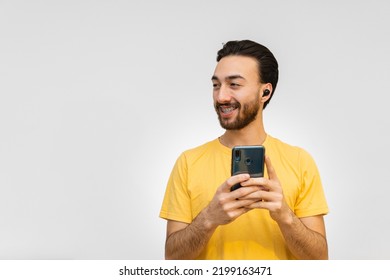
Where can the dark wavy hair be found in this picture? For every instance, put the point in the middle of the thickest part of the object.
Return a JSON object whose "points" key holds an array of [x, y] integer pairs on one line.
{"points": [[268, 66]]}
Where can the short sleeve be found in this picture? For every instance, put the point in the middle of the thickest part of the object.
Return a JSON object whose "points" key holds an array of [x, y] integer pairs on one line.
{"points": [[177, 202], [311, 199]]}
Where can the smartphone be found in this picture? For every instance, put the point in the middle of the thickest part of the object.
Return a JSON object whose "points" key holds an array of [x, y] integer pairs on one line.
{"points": [[247, 159]]}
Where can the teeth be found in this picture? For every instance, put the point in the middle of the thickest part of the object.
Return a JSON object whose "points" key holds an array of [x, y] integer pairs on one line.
{"points": [[227, 109]]}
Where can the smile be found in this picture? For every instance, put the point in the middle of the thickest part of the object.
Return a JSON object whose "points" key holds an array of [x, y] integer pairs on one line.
{"points": [[227, 108]]}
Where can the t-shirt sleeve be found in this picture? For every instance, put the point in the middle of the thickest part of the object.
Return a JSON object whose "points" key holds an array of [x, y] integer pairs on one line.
{"points": [[311, 200], [177, 202]]}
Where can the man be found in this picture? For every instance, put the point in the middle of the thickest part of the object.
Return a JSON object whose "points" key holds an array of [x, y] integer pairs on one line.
{"points": [[279, 216]]}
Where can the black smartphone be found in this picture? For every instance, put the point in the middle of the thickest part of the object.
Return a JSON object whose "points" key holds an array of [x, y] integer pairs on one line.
{"points": [[247, 159]]}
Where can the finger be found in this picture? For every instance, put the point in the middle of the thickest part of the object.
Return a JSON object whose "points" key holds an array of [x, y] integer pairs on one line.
{"points": [[260, 182], [237, 204], [270, 169], [262, 196], [243, 192], [254, 196], [258, 205], [262, 204], [238, 212], [234, 180], [269, 205]]}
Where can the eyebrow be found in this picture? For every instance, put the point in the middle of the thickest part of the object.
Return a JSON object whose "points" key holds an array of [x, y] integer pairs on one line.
{"points": [[231, 77]]}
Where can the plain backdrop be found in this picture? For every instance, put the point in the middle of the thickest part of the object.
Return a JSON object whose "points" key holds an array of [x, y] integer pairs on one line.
{"points": [[99, 98]]}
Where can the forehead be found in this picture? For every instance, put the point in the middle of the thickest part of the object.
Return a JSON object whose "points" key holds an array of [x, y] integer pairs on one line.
{"points": [[237, 65]]}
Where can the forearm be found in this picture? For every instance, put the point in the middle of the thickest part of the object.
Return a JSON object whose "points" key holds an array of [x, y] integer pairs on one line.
{"points": [[303, 242], [189, 242]]}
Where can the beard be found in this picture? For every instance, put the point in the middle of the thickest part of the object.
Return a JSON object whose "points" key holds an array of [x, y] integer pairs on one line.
{"points": [[247, 113]]}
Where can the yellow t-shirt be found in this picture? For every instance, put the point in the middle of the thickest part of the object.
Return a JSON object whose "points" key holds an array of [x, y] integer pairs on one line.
{"points": [[255, 235]]}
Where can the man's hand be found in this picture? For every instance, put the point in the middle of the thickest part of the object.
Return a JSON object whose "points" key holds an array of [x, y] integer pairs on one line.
{"points": [[305, 237], [228, 205], [186, 241], [269, 195]]}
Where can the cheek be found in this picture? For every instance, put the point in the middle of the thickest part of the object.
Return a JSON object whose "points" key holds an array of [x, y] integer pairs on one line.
{"points": [[214, 100], [215, 95]]}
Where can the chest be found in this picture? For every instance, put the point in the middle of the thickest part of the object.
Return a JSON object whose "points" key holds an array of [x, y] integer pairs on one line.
{"points": [[208, 173]]}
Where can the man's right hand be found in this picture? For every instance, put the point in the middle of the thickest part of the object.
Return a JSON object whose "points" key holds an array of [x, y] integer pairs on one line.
{"points": [[186, 241], [226, 205]]}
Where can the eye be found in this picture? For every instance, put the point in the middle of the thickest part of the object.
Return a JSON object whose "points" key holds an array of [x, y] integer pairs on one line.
{"points": [[216, 86], [234, 85]]}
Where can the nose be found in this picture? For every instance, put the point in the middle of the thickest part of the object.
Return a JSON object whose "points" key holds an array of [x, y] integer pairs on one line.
{"points": [[222, 95]]}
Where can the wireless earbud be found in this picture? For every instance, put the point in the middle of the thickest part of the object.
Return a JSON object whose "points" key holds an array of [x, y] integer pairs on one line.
{"points": [[266, 92]]}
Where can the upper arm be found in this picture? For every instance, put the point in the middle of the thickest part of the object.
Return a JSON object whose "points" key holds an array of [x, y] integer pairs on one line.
{"points": [[174, 226], [315, 223]]}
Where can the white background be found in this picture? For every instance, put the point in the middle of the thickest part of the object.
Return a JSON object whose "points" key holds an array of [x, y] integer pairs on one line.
{"points": [[98, 98]]}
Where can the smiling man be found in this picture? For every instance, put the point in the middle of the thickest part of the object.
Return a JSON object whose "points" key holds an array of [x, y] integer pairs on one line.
{"points": [[278, 216]]}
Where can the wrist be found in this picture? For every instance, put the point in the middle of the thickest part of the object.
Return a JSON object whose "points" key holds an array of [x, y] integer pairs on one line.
{"points": [[284, 217], [206, 219]]}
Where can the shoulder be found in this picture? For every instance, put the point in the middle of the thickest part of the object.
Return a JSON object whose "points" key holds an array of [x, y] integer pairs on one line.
{"points": [[197, 152], [286, 150], [278, 144]]}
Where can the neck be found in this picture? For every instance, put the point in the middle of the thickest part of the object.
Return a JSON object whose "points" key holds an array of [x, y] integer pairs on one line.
{"points": [[252, 134]]}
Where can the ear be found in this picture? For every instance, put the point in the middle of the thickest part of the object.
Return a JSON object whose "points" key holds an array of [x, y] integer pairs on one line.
{"points": [[266, 92]]}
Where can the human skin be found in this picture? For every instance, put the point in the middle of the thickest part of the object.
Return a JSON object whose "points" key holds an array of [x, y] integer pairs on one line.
{"points": [[236, 80]]}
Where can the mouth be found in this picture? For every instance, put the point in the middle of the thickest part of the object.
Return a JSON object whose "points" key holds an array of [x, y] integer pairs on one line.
{"points": [[226, 110]]}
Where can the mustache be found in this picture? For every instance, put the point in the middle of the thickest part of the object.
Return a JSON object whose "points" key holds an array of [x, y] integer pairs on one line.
{"points": [[235, 105]]}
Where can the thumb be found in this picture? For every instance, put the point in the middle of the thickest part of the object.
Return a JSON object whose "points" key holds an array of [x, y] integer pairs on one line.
{"points": [[270, 169], [236, 179]]}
